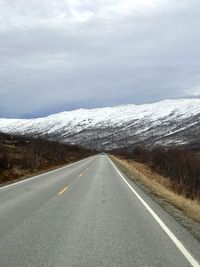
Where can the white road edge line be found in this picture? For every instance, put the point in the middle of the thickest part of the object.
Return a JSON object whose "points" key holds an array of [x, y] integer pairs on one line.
{"points": [[40, 175], [179, 245]]}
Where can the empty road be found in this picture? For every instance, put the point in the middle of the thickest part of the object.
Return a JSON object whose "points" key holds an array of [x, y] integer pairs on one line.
{"points": [[88, 215]]}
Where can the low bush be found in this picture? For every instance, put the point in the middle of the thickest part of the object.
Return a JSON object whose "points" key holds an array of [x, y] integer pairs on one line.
{"points": [[180, 165]]}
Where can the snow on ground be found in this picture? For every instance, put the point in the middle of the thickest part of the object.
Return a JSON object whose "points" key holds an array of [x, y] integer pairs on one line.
{"points": [[72, 122]]}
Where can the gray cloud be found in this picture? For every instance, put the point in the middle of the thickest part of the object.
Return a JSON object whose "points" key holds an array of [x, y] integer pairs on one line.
{"points": [[59, 55]]}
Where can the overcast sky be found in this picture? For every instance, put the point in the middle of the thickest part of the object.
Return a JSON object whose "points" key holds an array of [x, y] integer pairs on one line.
{"points": [[58, 55]]}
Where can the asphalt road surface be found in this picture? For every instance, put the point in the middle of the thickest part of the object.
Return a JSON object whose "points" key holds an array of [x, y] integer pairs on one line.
{"points": [[88, 214]]}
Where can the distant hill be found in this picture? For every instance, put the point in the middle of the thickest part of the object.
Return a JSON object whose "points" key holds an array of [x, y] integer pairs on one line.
{"points": [[166, 122]]}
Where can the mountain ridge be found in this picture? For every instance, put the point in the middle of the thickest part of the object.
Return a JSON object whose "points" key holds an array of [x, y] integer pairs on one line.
{"points": [[170, 121]]}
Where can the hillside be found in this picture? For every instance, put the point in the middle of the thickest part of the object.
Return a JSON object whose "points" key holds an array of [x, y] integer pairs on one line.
{"points": [[166, 122], [25, 156]]}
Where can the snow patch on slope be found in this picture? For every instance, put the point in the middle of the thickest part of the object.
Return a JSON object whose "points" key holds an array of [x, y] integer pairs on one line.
{"points": [[128, 119]]}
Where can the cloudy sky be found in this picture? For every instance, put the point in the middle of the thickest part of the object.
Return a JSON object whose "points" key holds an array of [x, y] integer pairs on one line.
{"points": [[60, 55]]}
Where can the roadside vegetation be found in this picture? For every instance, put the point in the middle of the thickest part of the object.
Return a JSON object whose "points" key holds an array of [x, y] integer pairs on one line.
{"points": [[25, 156], [172, 174]]}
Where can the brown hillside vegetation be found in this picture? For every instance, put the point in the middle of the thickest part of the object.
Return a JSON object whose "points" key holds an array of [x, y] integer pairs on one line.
{"points": [[172, 174], [159, 186], [180, 166], [23, 156]]}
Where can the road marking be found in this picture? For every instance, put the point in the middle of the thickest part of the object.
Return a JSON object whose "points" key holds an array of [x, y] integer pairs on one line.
{"points": [[63, 190], [41, 175], [179, 245]]}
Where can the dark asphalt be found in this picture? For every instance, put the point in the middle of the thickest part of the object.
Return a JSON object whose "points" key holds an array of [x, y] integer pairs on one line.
{"points": [[85, 215]]}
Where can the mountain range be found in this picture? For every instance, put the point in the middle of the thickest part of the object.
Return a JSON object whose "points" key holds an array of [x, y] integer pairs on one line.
{"points": [[167, 122]]}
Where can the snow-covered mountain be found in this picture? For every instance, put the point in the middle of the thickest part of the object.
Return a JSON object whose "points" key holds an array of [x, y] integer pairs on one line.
{"points": [[165, 122]]}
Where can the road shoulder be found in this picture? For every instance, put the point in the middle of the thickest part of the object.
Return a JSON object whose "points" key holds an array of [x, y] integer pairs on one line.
{"points": [[191, 225]]}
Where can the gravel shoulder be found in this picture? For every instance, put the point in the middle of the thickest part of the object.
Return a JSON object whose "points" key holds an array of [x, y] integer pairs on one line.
{"points": [[189, 223]]}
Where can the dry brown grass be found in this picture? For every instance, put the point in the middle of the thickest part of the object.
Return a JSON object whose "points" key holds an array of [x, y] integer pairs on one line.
{"points": [[161, 187]]}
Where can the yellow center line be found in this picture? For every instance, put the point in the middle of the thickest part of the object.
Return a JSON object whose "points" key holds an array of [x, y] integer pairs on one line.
{"points": [[63, 190], [81, 174]]}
